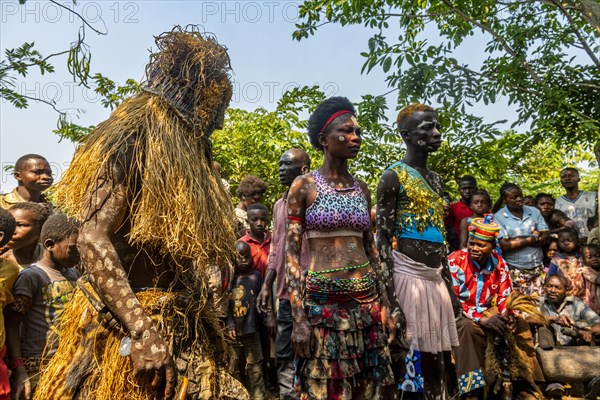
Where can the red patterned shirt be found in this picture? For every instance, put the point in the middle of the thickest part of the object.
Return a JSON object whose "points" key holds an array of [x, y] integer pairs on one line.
{"points": [[479, 287]]}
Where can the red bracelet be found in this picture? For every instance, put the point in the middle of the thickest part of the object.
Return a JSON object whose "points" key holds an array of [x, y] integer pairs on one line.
{"points": [[17, 362]]}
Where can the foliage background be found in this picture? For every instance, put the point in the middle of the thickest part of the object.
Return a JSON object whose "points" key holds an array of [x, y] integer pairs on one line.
{"points": [[541, 56]]}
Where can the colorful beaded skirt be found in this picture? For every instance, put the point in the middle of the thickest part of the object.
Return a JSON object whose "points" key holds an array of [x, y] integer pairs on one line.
{"points": [[348, 344]]}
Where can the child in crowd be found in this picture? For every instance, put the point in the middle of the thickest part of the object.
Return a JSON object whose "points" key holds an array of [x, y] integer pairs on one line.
{"points": [[568, 262], [34, 176], [545, 203], [591, 275], [258, 237], [592, 225], [25, 248], [8, 274], [528, 201], [40, 294], [243, 321], [559, 221], [259, 240], [481, 204], [549, 252]]}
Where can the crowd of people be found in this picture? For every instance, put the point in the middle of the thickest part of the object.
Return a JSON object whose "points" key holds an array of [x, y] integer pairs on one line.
{"points": [[160, 287]]}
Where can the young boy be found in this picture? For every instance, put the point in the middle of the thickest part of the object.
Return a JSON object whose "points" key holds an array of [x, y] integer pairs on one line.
{"points": [[591, 275], [258, 237], [40, 294], [8, 274], [567, 262], [461, 209], [33, 175], [243, 321], [481, 204], [24, 247], [259, 240], [559, 221]]}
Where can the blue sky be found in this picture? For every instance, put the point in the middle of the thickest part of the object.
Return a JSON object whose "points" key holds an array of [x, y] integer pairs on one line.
{"points": [[264, 57]]}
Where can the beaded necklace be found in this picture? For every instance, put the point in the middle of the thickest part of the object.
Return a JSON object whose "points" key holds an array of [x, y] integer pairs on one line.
{"points": [[323, 286]]}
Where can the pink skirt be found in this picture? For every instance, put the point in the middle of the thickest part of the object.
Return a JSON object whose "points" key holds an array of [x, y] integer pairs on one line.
{"points": [[424, 298]]}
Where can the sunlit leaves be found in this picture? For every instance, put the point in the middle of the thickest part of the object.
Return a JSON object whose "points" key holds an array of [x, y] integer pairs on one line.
{"points": [[538, 56]]}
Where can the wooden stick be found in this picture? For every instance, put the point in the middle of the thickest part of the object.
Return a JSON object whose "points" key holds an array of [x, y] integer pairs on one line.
{"points": [[183, 391]]}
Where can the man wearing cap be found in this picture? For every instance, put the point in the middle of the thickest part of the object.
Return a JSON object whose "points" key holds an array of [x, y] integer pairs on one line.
{"points": [[482, 284]]}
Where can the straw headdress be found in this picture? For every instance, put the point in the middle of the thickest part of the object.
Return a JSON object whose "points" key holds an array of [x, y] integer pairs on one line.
{"points": [[156, 144]]}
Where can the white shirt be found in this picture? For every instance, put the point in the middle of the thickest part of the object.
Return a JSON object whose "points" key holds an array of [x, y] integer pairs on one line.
{"points": [[579, 210]]}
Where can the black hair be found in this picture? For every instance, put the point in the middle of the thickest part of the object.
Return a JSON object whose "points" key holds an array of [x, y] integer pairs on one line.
{"points": [[322, 113], [508, 186], [468, 178], [303, 156], [58, 227], [240, 245], [540, 196], [251, 185], [7, 226], [569, 231], [39, 211], [591, 246], [572, 169], [23, 159], [558, 214], [503, 189], [561, 278], [257, 206], [482, 192]]}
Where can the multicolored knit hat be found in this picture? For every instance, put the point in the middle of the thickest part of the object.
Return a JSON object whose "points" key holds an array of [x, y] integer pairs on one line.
{"points": [[484, 228]]}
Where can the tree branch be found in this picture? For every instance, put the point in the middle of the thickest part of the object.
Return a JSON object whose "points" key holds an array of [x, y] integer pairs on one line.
{"points": [[431, 16], [83, 20], [43, 60], [496, 36], [491, 77], [50, 103], [582, 40]]}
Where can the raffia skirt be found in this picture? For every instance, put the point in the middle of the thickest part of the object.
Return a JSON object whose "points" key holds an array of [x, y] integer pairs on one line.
{"points": [[425, 301], [88, 364], [349, 348]]}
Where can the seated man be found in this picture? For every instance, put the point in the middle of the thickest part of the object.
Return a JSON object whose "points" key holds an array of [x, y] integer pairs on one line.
{"points": [[571, 319], [481, 279]]}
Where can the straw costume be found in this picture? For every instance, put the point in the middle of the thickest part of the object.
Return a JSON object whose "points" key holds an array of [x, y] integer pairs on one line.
{"points": [[153, 219], [485, 359]]}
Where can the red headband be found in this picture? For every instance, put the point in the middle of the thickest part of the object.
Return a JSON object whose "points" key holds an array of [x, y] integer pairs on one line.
{"points": [[334, 116]]}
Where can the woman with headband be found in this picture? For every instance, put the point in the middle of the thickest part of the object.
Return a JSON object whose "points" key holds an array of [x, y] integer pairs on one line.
{"points": [[340, 311], [523, 232]]}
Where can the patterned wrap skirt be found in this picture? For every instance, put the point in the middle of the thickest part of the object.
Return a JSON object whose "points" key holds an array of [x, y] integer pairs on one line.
{"points": [[348, 345]]}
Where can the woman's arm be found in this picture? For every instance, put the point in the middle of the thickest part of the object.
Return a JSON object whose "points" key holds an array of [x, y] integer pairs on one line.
{"points": [[381, 273], [293, 246], [387, 193], [518, 243]]}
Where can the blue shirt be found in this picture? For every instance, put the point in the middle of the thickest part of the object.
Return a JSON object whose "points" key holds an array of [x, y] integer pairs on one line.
{"points": [[574, 308], [512, 227]]}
